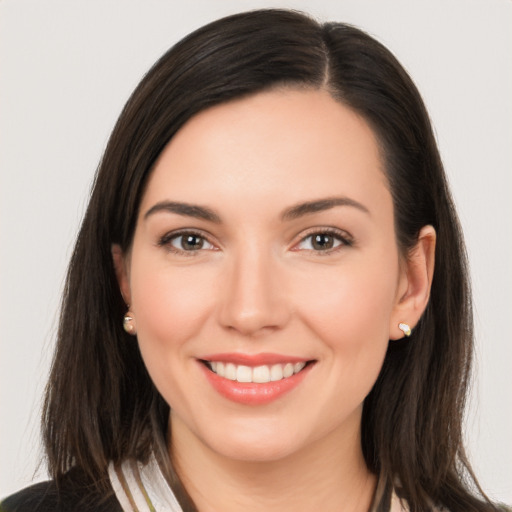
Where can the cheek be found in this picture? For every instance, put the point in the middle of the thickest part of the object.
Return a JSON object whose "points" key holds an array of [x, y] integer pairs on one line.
{"points": [[170, 304], [350, 312], [357, 299]]}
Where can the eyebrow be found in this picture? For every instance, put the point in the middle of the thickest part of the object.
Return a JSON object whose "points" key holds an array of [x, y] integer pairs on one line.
{"points": [[294, 212], [309, 207], [185, 209]]}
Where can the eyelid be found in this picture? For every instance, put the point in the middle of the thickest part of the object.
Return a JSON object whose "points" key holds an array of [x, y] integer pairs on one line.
{"points": [[345, 237], [347, 240], [164, 241]]}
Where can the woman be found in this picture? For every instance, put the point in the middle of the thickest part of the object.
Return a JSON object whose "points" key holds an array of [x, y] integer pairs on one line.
{"points": [[266, 222]]}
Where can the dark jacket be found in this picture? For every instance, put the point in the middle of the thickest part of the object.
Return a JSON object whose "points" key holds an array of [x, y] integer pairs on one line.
{"points": [[74, 493]]}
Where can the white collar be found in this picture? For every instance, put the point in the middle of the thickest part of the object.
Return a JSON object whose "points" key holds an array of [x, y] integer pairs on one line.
{"points": [[142, 487]]}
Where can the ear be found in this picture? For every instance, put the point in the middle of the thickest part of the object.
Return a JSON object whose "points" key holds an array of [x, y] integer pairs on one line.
{"points": [[415, 283], [121, 265]]}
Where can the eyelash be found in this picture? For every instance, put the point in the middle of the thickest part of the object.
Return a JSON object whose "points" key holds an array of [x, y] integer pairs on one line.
{"points": [[166, 240], [339, 235]]}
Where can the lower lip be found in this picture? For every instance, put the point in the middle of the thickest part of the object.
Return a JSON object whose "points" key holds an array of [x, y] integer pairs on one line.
{"points": [[251, 393]]}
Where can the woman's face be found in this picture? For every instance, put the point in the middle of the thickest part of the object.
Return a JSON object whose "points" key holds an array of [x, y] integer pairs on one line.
{"points": [[264, 275]]}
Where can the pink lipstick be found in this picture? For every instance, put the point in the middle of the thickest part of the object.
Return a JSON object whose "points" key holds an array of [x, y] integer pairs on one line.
{"points": [[254, 379]]}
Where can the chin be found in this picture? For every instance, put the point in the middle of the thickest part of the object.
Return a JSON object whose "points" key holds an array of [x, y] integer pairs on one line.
{"points": [[255, 443], [256, 452]]}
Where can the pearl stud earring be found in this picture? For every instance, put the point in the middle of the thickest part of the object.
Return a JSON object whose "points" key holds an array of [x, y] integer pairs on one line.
{"points": [[128, 323], [405, 328]]}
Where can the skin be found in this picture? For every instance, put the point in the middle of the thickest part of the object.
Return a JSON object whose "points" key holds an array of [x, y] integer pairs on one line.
{"points": [[258, 284]]}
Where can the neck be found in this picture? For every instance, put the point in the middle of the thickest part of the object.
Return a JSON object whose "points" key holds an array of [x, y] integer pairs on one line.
{"points": [[330, 474]]}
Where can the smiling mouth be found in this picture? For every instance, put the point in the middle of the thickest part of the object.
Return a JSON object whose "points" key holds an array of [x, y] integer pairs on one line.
{"points": [[257, 374]]}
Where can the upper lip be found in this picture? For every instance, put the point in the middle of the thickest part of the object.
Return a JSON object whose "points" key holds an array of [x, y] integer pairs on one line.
{"points": [[254, 359]]}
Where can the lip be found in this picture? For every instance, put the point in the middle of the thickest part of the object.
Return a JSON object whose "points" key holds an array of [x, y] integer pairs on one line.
{"points": [[252, 360], [250, 393]]}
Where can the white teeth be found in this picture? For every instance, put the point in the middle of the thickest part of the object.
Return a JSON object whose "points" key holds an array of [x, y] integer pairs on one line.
{"points": [[258, 374], [276, 372], [261, 374], [220, 369], [243, 374], [297, 367], [230, 371], [288, 370]]}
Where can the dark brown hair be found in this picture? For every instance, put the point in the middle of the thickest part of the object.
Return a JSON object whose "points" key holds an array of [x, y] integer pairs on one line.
{"points": [[101, 404]]}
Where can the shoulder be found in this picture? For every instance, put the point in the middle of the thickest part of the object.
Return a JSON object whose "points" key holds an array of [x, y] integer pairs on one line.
{"points": [[72, 493]]}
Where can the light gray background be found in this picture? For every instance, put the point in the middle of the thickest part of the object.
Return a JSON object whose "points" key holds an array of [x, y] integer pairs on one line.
{"points": [[68, 67]]}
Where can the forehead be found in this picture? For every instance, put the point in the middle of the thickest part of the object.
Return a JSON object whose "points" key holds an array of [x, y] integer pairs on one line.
{"points": [[275, 147]]}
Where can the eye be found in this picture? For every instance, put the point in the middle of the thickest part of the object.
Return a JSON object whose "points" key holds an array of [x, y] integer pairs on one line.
{"points": [[324, 241], [189, 242]]}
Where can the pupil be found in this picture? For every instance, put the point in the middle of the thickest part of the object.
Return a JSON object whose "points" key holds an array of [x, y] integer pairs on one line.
{"points": [[192, 242], [322, 241]]}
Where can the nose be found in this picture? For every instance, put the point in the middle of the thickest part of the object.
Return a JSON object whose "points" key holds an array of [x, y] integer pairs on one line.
{"points": [[253, 294]]}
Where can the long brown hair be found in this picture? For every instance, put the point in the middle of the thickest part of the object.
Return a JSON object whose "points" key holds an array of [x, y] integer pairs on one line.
{"points": [[100, 402]]}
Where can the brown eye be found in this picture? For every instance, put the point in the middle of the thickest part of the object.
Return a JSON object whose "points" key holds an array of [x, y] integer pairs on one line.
{"points": [[189, 242], [323, 241]]}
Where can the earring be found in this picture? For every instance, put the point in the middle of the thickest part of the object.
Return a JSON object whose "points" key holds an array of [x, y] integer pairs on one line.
{"points": [[128, 323], [405, 328]]}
